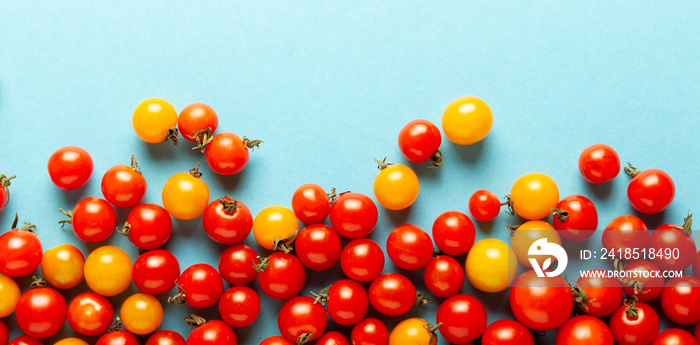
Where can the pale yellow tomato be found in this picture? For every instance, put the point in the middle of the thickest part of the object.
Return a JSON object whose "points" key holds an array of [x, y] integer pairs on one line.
{"points": [[9, 295], [396, 187], [141, 313], [272, 223], [108, 270], [62, 266], [467, 120], [527, 234], [534, 195], [154, 120], [412, 332], [491, 265], [185, 196]]}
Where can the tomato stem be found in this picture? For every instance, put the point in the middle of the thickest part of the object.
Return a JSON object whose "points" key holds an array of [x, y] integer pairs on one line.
{"points": [[195, 171], [172, 135], [252, 144], [580, 296], [134, 164], [420, 299], [631, 170], [125, 229], [619, 265], [304, 338], [509, 203], [631, 309], [38, 282], [179, 299], [263, 264], [513, 228], [331, 195], [436, 159], [382, 164], [195, 320], [560, 214], [688, 224], [284, 244], [202, 138], [116, 326], [321, 296], [5, 182], [229, 206], [69, 214]]}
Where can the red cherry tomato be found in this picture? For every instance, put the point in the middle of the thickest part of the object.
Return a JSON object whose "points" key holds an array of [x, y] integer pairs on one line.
{"points": [[276, 340], [310, 204], [21, 251], [353, 215], [604, 294], [347, 302], [634, 323], [25, 340], [318, 247], [93, 219], [419, 140], [443, 276], [239, 306], [227, 153], [392, 294], [4, 190], [644, 280], [4, 333], [454, 233], [362, 260], [599, 163], [674, 336], [650, 191], [124, 186], [667, 238], [202, 286], [463, 319], [283, 278], [579, 218], [41, 312], [235, 264], [507, 332], [333, 338], [302, 317], [70, 167], [409, 247], [148, 226], [696, 265], [584, 330], [484, 205], [227, 221], [680, 300], [697, 332], [118, 338], [90, 314], [156, 272], [369, 331], [166, 337], [541, 304], [213, 332], [196, 119], [625, 232]]}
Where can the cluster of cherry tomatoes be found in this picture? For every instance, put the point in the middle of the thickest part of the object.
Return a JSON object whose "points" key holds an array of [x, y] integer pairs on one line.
{"points": [[538, 303]]}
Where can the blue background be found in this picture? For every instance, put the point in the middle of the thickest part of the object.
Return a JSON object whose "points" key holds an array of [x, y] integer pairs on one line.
{"points": [[328, 86]]}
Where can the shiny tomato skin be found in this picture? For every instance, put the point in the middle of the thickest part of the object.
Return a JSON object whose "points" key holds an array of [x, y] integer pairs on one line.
{"points": [[463, 319], [70, 167], [396, 187], [141, 314], [310, 203], [123, 186], [418, 140], [534, 195], [185, 196], [675, 336], [652, 286], [369, 331], [599, 163], [362, 259], [62, 266], [226, 154], [484, 205], [25, 340], [196, 117], [150, 226], [4, 333], [651, 191], [680, 300], [94, 219], [213, 332], [166, 337], [454, 233], [668, 237], [9, 290], [541, 304], [332, 338], [318, 247], [467, 120], [276, 340], [274, 223], [409, 247], [584, 330], [412, 331], [507, 332], [302, 315], [41, 312], [21, 253], [392, 294], [202, 286], [284, 278], [156, 272], [236, 264], [639, 330], [625, 232], [353, 215], [604, 294], [443, 276], [227, 227], [348, 302], [582, 218], [118, 338], [108, 270], [239, 306], [90, 314]]}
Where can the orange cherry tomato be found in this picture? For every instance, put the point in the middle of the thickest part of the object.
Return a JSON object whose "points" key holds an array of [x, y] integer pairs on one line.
{"points": [[527, 234], [71, 341], [467, 120], [185, 196], [108, 270], [9, 295], [155, 120], [272, 223], [141, 314], [491, 265], [413, 332], [62, 266], [396, 186], [534, 195]]}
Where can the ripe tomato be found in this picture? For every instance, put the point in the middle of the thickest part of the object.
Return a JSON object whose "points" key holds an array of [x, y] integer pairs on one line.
{"points": [[443, 276], [239, 306], [467, 120], [332, 338], [586, 330], [534, 195], [419, 140], [396, 186], [93, 219], [529, 232], [4, 333], [200, 285], [235, 264], [70, 167], [650, 191], [666, 238], [71, 341], [41, 312], [227, 221], [541, 304], [213, 332], [413, 331], [21, 251], [108, 271], [599, 163], [124, 186], [353, 215], [185, 196], [453, 233], [680, 300], [696, 265], [302, 319], [674, 336], [141, 313], [197, 123], [635, 323], [491, 265], [281, 276], [156, 272], [643, 280], [576, 218], [625, 232], [311, 204], [318, 247], [275, 223], [392, 294], [604, 295], [362, 259], [118, 338], [62, 266], [409, 247], [697, 331], [347, 302], [484, 205], [166, 337], [4, 190], [155, 120], [227, 154], [463, 319], [10, 296], [276, 340], [25, 340], [90, 314], [148, 226], [369, 331], [507, 332]]}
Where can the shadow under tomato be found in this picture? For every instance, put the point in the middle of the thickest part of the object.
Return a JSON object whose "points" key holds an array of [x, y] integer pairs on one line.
{"points": [[227, 183], [468, 153], [163, 150], [601, 191], [653, 221], [398, 217]]}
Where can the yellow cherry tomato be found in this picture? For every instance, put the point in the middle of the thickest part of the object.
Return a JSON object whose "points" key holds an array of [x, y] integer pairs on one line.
{"points": [[272, 223], [185, 196], [467, 120], [62, 266], [108, 270], [9, 295], [491, 265], [534, 195], [154, 120], [527, 234], [71, 341], [396, 186], [141, 313], [412, 332]]}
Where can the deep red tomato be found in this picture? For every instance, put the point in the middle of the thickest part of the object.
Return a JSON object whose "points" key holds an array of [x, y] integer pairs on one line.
{"points": [[362, 259], [680, 300], [333, 338], [239, 306], [281, 276], [353, 215], [21, 251], [599, 163], [584, 330], [197, 123], [409, 247], [25, 340], [236, 264], [625, 232], [318, 247], [4, 333], [311, 204], [124, 186], [484, 205], [148, 226], [93, 219], [156, 272], [276, 340], [227, 153], [70, 167], [443, 276], [302, 318], [576, 218], [507, 332], [697, 331], [370, 331], [454, 233], [4, 190], [634, 323], [541, 304], [651, 190], [41, 312], [166, 337], [213, 332], [347, 302], [665, 239], [118, 338], [696, 265], [227, 221], [463, 319], [643, 279], [419, 140], [675, 336], [90, 314], [392, 294], [201, 286], [604, 294]]}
